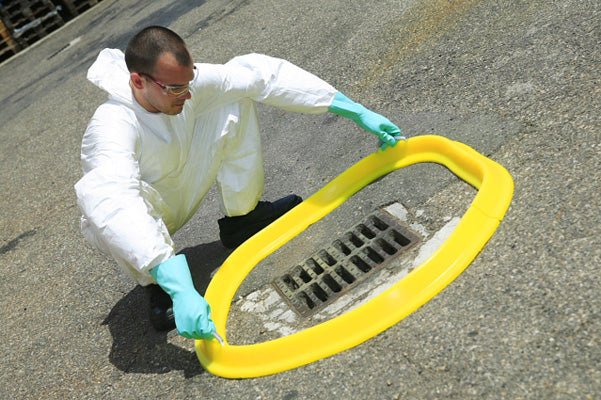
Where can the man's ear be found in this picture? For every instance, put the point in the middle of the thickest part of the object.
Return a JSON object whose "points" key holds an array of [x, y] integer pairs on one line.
{"points": [[136, 80]]}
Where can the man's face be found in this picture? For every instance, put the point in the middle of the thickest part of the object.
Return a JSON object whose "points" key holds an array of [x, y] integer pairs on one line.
{"points": [[159, 94]]}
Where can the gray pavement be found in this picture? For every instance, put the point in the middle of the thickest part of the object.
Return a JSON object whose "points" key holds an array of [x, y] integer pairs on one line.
{"points": [[519, 81]]}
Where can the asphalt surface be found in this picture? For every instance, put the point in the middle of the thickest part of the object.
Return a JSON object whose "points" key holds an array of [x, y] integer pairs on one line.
{"points": [[519, 81]]}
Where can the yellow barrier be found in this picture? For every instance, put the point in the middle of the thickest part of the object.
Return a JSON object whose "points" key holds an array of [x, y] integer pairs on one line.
{"points": [[360, 324]]}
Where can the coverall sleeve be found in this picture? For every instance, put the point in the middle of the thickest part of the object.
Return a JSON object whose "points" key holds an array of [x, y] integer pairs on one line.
{"points": [[112, 196], [264, 79]]}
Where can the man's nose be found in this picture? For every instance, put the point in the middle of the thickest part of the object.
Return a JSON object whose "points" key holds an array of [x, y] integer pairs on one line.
{"points": [[185, 96]]}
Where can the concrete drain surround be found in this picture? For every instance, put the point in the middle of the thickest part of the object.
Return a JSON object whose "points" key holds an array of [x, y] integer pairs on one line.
{"points": [[350, 260]]}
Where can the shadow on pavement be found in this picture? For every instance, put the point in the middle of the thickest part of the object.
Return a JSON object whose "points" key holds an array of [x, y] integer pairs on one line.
{"points": [[137, 347]]}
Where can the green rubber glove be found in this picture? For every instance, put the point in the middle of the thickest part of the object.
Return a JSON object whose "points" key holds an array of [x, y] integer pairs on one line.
{"points": [[191, 311], [387, 132]]}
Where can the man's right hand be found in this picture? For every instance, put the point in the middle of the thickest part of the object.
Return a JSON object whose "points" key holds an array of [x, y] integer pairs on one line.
{"points": [[191, 311], [193, 316]]}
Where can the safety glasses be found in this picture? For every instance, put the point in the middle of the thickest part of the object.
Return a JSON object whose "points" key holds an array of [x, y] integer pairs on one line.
{"points": [[172, 90]]}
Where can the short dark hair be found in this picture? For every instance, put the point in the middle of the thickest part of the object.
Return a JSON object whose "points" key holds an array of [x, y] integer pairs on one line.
{"points": [[144, 49]]}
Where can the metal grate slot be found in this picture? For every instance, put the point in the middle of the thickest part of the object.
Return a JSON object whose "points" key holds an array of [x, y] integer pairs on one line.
{"points": [[399, 238], [354, 239], [360, 263], [314, 265], [365, 231], [332, 284], [344, 274], [306, 300], [386, 247], [373, 255], [290, 283], [341, 247], [327, 257], [350, 260]]}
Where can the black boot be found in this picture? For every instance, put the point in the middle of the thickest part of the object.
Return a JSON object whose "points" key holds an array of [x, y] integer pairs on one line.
{"points": [[233, 231], [161, 309]]}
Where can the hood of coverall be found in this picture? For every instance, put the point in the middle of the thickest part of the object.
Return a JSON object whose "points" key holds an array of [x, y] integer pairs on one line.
{"points": [[110, 73]]}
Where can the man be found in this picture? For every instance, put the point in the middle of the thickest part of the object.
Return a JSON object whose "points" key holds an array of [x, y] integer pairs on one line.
{"points": [[169, 130]]}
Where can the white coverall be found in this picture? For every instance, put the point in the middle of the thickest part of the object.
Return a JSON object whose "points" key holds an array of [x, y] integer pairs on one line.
{"points": [[145, 174]]}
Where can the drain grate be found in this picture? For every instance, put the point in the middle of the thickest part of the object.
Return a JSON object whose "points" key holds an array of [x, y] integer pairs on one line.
{"points": [[329, 273]]}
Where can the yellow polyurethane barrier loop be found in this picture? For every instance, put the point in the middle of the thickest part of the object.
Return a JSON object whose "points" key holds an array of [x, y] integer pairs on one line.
{"points": [[360, 324]]}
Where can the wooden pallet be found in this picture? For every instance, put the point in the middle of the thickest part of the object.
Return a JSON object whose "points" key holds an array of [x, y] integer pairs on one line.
{"points": [[75, 7], [23, 22], [8, 46], [30, 20]]}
